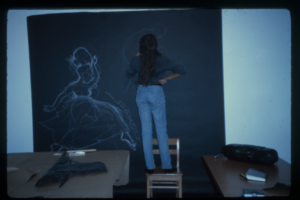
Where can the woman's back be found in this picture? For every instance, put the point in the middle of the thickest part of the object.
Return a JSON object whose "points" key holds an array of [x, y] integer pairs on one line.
{"points": [[163, 64]]}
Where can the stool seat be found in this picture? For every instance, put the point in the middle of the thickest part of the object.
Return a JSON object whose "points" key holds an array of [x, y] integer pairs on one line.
{"points": [[160, 171]]}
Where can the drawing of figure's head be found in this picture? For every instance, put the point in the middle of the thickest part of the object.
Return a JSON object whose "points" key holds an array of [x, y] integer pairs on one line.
{"points": [[84, 64], [80, 57]]}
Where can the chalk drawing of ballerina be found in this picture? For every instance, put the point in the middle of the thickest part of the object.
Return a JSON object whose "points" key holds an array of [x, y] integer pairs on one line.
{"points": [[82, 122]]}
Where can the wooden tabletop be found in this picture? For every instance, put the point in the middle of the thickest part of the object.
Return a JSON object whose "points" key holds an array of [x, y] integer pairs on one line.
{"points": [[224, 174], [31, 167]]}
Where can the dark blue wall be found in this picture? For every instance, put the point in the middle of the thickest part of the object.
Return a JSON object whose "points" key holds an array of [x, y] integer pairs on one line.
{"points": [[195, 103]]}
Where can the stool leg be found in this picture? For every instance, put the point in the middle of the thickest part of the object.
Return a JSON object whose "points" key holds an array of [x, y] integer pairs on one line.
{"points": [[180, 188], [151, 190], [177, 190], [148, 189]]}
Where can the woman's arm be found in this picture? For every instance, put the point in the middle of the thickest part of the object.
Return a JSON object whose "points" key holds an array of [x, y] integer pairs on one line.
{"points": [[131, 71], [170, 77]]}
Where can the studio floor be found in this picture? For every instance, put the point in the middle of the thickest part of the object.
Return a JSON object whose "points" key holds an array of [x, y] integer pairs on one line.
{"points": [[138, 190]]}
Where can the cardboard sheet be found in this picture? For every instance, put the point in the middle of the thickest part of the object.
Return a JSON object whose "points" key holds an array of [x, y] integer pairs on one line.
{"points": [[18, 178], [21, 183]]}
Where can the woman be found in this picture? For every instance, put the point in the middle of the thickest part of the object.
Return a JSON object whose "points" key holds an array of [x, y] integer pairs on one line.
{"points": [[151, 67]]}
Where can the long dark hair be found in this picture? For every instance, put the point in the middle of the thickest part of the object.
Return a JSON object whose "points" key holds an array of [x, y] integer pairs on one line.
{"points": [[148, 45]]}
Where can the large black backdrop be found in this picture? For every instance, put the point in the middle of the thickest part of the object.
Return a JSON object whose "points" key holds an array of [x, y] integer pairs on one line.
{"points": [[195, 108]]}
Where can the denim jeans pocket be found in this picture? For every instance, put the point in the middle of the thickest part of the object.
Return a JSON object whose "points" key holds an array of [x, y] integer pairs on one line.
{"points": [[158, 96], [139, 97]]}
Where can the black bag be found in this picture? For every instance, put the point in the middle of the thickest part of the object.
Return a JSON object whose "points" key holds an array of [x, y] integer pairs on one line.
{"points": [[250, 153]]}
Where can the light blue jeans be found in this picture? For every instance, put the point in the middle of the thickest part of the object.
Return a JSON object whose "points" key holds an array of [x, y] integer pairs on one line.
{"points": [[151, 102]]}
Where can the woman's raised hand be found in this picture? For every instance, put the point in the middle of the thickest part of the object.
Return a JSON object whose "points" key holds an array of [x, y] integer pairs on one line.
{"points": [[162, 81]]}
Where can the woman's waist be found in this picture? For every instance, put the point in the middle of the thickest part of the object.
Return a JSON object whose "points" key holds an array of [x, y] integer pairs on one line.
{"points": [[148, 88], [151, 84]]}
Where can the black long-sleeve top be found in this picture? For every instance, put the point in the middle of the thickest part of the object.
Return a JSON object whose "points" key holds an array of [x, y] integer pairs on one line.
{"points": [[163, 64]]}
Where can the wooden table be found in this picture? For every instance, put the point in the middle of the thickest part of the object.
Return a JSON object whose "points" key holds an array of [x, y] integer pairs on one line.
{"points": [[224, 175], [21, 183]]}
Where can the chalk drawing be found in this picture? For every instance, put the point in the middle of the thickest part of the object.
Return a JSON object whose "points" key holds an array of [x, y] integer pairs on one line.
{"points": [[81, 121]]}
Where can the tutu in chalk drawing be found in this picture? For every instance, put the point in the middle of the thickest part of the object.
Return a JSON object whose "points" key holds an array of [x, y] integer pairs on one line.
{"points": [[81, 121]]}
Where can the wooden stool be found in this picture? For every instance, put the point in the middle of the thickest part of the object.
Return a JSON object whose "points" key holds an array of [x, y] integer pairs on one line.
{"points": [[159, 179]]}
